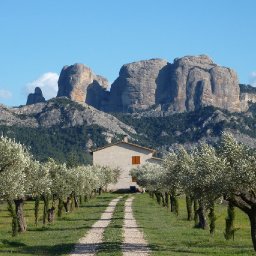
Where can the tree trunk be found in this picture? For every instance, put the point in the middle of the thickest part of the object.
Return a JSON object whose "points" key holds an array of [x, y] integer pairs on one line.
{"points": [[37, 203], [51, 214], [229, 230], [196, 219], [163, 199], [252, 217], [71, 200], [46, 207], [212, 218], [14, 218], [189, 207], [176, 205], [202, 218], [76, 201], [20, 215], [158, 197], [100, 191]]}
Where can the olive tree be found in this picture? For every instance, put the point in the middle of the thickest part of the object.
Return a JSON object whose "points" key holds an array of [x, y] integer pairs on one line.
{"points": [[14, 162], [238, 179]]}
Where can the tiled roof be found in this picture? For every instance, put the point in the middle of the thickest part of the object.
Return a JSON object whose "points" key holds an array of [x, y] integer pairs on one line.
{"points": [[123, 142]]}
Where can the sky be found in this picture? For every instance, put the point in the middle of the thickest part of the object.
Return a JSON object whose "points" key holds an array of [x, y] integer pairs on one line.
{"points": [[39, 37]]}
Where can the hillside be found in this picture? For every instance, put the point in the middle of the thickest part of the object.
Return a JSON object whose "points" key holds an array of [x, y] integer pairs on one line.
{"points": [[61, 128], [66, 130]]}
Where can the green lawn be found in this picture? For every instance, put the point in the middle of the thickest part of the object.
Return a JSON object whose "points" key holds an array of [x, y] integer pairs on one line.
{"points": [[169, 235], [56, 239]]}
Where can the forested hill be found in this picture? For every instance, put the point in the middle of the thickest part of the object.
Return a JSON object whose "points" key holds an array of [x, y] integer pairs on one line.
{"points": [[67, 137]]}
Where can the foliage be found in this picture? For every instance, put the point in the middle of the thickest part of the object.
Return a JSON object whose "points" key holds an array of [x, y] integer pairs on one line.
{"points": [[21, 177], [56, 142]]}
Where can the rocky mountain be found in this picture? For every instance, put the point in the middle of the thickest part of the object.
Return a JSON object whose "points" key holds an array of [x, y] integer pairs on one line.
{"points": [[157, 103], [61, 127], [80, 84], [35, 97], [63, 113], [187, 84]]}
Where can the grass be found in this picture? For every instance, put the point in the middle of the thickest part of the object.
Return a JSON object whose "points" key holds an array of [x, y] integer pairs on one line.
{"points": [[55, 239], [171, 235], [113, 234]]}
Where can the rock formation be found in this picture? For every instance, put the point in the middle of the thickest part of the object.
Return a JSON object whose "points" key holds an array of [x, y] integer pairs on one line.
{"points": [[138, 84], [35, 97], [187, 84], [80, 84], [197, 81]]}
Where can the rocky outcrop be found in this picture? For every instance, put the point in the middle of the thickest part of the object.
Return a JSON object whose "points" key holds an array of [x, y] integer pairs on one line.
{"points": [[61, 112], [138, 85], [187, 84], [80, 84], [35, 97], [197, 82], [246, 99]]}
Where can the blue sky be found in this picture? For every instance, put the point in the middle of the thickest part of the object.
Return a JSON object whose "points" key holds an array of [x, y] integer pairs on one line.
{"points": [[39, 37]]}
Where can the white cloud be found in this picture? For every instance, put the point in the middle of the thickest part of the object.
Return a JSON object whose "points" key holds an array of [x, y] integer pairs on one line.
{"points": [[5, 94], [48, 82], [253, 78]]}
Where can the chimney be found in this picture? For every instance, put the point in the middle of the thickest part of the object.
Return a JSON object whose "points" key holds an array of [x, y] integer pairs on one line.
{"points": [[125, 139]]}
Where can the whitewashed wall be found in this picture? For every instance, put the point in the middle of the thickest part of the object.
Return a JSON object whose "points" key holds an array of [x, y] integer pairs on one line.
{"points": [[120, 156]]}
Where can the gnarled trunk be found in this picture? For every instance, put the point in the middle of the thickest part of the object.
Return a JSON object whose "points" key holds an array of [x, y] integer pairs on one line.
{"points": [[196, 218], [212, 218], [252, 217], [229, 230], [46, 208], [14, 218], [20, 215], [201, 215], [51, 214]]}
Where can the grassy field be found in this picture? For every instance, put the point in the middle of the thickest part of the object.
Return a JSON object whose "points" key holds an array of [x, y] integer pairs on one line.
{"points": [[55, 239], [169, 235]]}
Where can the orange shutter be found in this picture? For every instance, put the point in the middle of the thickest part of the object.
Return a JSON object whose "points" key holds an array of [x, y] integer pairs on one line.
{"points": [[135, 159]]}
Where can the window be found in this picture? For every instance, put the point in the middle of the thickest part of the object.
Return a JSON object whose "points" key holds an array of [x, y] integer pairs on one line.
{"points": [[134, 179], [135, 159]]}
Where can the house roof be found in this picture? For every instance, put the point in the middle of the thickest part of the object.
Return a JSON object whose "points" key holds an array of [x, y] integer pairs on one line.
{"points": [[123, 142]]}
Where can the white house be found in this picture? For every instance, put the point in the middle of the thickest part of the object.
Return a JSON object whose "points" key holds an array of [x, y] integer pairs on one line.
{"points": [[125, 156]]}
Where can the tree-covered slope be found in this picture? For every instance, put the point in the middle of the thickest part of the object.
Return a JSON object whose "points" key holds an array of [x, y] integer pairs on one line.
{"points": [[69, 137]]}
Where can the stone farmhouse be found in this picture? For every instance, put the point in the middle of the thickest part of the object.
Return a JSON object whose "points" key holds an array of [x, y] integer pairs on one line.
{"points": [[125, 156]]}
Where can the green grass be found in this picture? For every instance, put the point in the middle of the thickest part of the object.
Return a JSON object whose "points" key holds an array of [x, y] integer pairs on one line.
{"points": [[169, 235], [113, 234], [55, 239]]}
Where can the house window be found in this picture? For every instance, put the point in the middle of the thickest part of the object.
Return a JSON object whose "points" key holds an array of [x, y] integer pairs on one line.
{"points": [[134, 179], [135, 159]]}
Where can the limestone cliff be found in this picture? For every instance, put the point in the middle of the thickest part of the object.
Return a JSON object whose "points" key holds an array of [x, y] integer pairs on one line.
{"points": [[80, 84], [187, 84]]}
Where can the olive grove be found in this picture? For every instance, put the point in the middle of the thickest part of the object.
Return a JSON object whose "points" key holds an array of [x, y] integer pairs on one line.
{"points": [[205, 175], [22, 178]]}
